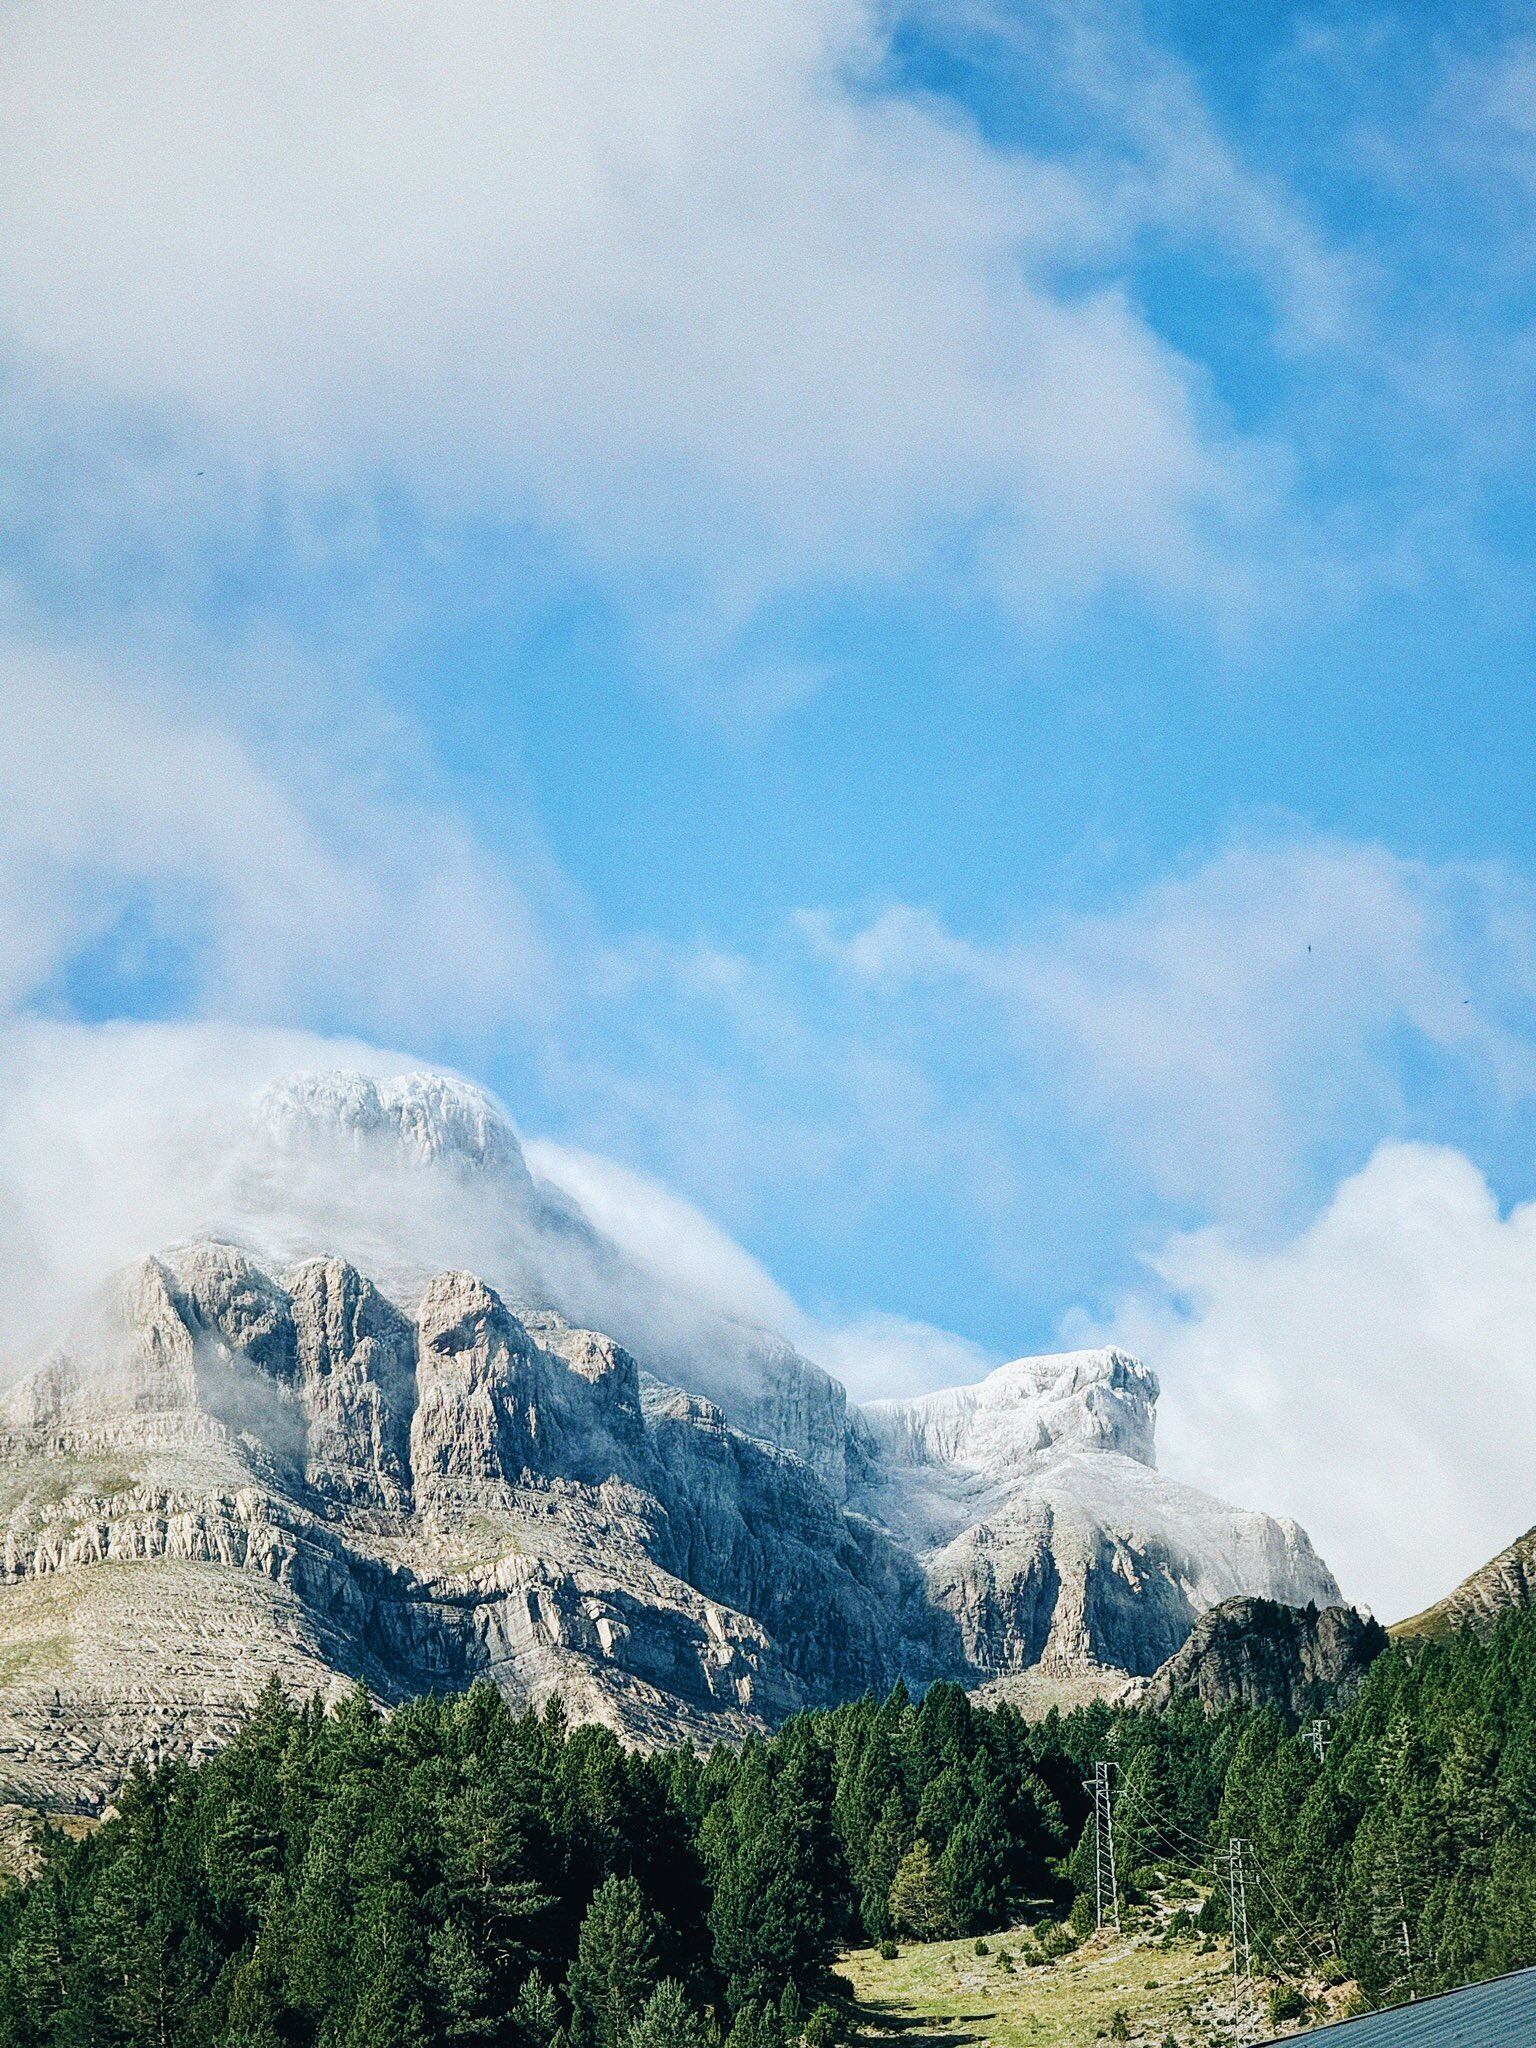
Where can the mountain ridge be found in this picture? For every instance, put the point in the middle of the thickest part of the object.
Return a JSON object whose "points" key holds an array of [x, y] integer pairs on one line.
{"points": [[258, 1458], [1505, 1584]]}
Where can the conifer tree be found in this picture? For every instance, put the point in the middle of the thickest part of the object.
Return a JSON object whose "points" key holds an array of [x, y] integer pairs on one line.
{"points": [[669, 2021], [615, 1969], [535, 2013], [920, 1900]]}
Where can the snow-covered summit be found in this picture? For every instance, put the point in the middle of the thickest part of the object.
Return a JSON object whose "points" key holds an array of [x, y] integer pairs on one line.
{"points": [[427, 1119], [1101, 1400], [367, 1298], [1034, 1501]]}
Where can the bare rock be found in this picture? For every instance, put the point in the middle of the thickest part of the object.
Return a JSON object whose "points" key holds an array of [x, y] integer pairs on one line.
{"points": [[1255, 1653], [356, 1365], [477, 1418], [1505, 1585], [1046, 1529]]}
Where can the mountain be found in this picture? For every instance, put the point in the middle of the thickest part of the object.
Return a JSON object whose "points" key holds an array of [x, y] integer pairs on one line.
{"points": [[1255, 1653], [1507, 1583], [1045, 1528], [401, 1416]]}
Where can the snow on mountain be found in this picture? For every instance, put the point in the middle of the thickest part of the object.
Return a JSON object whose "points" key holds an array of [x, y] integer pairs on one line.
{"points": [[397, 1410], [1034, 1502]]}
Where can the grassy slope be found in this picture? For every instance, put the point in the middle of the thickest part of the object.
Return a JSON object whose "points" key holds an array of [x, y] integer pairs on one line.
{"points": [[942, 1995]]}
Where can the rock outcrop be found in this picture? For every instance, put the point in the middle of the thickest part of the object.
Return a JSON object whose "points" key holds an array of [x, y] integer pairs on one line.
{"points": [[408, 1418], [1256, 1653], [292, 1476]]}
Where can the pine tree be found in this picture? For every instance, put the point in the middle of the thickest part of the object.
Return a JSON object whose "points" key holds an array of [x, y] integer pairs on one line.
{"points": [[887, 1844], [756, 2027], [669, 2021], [972, 1875], [920, 1900], [615, 1968], [535, 2013], [768, 1848], [462, 1986], [256, 2003]]}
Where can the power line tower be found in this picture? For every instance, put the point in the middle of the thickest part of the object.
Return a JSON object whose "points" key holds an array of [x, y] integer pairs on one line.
{"points": [[1237, 1912], [1318, 1738], [1106, 1889]]}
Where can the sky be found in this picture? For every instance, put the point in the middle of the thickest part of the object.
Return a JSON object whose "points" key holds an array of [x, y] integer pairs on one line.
{"points": [[908, 627]]}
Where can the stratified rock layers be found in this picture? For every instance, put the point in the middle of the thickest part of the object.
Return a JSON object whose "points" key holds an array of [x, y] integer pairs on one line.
{"points": [[1505, 1585], [295, 1477], [321, 1454], [1047, 1531]]}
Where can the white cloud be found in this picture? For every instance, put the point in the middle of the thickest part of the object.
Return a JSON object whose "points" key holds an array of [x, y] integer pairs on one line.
{"points": [[881, 1357], [875, 1355], [1159, 159], [689, 288], [1234, 1027], [1372, 1376], [116, 1139], [670, 1236], [253, 879]]}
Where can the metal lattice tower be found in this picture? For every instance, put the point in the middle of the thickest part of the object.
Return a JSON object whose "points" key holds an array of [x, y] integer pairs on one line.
{"points": [[1317, 1737], [1237, 1910], [1106, 1888]]}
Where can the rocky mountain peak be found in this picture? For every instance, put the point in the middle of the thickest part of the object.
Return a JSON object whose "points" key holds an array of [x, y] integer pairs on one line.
{"points": [[1505, 1585], [1029, 1409], [425, 1119], [1254, 1653], [408, 1416]]}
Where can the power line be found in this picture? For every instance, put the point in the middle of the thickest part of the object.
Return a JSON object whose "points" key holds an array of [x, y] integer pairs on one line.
{"points": [[1205, 1863], [1312, 1947], [1157, 1826]]}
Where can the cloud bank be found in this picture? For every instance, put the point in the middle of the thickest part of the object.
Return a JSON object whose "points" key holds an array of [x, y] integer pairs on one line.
{"points": [[876, 1356], [706, 294], [119, 1140], [242, 872], [1238, 1029], [1373, 1373], [1369, 1374]]}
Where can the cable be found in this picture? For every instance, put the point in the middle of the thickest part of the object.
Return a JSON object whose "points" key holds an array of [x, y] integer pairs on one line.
{"points": [[1310, 1941], [1154, 1827], [1161, 1827]]}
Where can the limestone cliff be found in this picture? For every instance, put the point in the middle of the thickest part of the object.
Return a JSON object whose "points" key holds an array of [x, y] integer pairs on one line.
{"points": [[242, 1475], [1045, 1528], [407, 1417], [1505, 1584]]}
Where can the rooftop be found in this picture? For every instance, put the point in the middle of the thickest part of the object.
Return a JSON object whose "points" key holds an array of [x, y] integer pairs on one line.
{"points": [[1498, 2014]]}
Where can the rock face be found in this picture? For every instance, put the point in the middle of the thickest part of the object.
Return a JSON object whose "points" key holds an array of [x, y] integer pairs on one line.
{"points": [[292, 1475], [1506, 1584], [407, 1419], [1254, 1653], [1047, 1531]]}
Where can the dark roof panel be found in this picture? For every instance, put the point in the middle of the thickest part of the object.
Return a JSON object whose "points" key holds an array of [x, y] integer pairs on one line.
{"points": [[1498, 2014]]}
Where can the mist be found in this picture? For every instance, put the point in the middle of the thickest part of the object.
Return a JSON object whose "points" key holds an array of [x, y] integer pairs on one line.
{"points": [[118, 1141]]}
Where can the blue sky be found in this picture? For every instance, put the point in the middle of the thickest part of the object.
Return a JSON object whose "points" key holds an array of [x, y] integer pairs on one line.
{"points": [[913, 622]]}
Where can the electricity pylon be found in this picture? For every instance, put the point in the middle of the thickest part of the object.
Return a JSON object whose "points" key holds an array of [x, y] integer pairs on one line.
{"points": [[1237, 1914], [1106, 1888]]}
